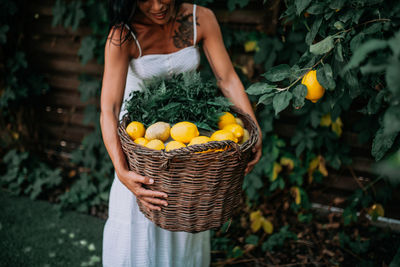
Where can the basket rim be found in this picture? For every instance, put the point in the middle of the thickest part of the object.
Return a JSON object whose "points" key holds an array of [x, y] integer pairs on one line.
{"points": [[254, 136]]}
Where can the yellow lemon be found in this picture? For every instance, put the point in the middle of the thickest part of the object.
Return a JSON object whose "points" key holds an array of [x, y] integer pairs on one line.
{"points": [[159, 130], [376, 210], [314, 90], [135, 129], [155, 144], [251, 46], [236, 129], [184, 131], [199, 140], [221, 135], [246, 136], [226, 119], [174, 145], [141, 141]]}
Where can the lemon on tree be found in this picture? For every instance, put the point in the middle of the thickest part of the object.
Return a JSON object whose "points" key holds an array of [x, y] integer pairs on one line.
{"points": [[225, 119], [314, 89], [184, 131], [174, 145], [135, 130], [155, 144], [236, 129], [159, 130], [141, 141]]}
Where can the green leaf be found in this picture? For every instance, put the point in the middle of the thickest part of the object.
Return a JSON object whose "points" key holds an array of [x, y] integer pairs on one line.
{"points": [[372, 68], [301, 5], [339, 52], [86, 51], [323, 46], [3, 33], [314, 30], [278, 73], [394, 44], [252, 239], [356, 41], [382, 143], [361, 53], [325, 77], [88, 88], [266, 99], [316, 8], [299, 94], [374, 28], [281, 101], [393, 76], [352, 82], [336, 4], [339, 25], [391, 120], [59, 10], [260, 88], [315, 117], [78, 14]]}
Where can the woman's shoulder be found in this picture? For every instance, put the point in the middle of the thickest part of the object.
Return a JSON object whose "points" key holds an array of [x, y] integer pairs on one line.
{"points": [[206, 21], [120, 38], [200, 10]]}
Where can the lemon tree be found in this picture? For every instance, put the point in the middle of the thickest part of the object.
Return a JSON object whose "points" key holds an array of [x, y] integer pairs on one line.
{"points": [[350, 58]]}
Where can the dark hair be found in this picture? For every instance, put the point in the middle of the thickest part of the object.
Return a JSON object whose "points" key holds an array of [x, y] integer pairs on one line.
{"points": [[121, 13]]}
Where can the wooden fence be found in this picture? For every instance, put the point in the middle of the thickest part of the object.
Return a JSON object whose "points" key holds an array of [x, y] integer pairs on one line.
{"points": [[54, 51]]}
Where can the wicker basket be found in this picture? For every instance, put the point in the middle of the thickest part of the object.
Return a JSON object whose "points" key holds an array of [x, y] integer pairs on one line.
{"points": [[203, 188]]}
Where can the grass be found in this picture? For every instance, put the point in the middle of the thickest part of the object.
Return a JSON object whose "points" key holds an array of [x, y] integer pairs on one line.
{"points": [[32, 234]]}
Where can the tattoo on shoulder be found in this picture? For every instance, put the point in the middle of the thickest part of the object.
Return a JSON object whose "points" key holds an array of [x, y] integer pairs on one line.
{"points": [[183, 36]]}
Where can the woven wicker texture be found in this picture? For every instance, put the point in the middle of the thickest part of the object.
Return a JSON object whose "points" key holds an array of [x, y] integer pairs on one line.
{"points": [[203, 188]]}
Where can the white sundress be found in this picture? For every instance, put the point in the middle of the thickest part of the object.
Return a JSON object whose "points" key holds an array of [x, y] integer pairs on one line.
{"points": [[129, 238]]}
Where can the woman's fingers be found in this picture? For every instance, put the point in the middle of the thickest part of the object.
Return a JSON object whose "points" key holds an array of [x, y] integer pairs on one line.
{"points": [[149, 206], [141, 192], [141, 179], [252, 163], [156, 201]]}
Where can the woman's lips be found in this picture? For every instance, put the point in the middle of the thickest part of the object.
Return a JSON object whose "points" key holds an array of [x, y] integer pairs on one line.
{"points": [[159, 15]]}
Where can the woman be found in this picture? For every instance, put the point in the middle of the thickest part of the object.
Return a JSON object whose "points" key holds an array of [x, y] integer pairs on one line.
{"points": [[155, 38]]}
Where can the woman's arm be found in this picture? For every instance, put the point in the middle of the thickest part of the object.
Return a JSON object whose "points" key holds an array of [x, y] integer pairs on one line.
{"points": [[221, 64], [115, 70]]}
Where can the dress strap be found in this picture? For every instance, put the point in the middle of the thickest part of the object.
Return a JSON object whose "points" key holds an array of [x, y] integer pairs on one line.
{"points": [[194, 25], [136, 40]]}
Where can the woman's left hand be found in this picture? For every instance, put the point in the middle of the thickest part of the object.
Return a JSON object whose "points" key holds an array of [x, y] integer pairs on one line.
{"points": [[258, 152]]}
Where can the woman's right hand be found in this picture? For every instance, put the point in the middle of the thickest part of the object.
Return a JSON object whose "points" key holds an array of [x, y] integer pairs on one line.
{"points": [[151, 200]]}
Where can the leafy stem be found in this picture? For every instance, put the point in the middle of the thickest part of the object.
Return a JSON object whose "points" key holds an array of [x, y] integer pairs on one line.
{"points": [[361, 24], [301, 76]]}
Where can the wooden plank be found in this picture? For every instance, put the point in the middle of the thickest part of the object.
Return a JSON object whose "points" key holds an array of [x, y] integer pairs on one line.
{"points": [[59, 147], [43, 26], [64, 82], [66, 65], [240, 16], [70, 117], [64, 100], [55, 46], [60, 133]]}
